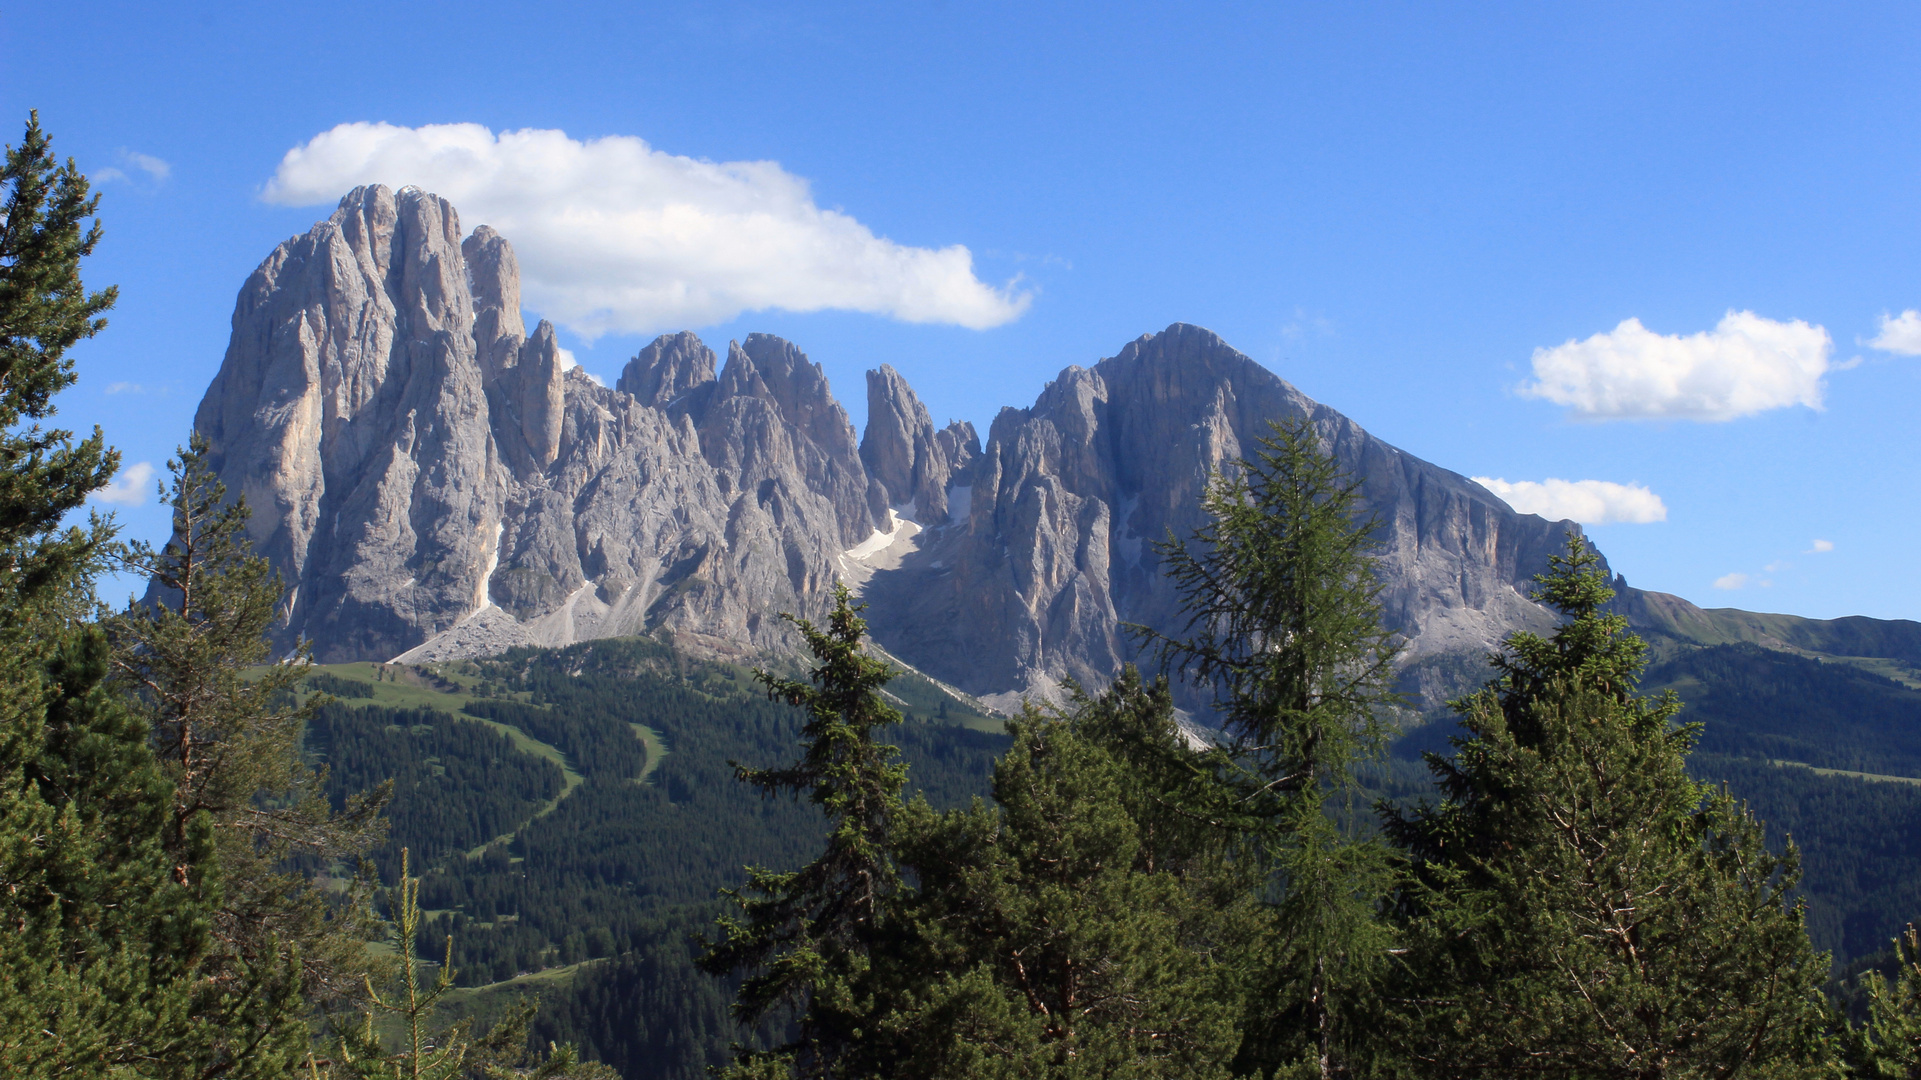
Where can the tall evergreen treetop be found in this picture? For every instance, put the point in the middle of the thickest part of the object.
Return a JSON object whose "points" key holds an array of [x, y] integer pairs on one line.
{"points": [[1284, 612], [1578, 906], [805, 934], [44, 311], [1591, 652], [197, 662], [100, 962]]}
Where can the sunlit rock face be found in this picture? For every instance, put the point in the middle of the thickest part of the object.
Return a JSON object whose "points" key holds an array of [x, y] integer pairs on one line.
{"points": [[432, 480], [1055, 554]]}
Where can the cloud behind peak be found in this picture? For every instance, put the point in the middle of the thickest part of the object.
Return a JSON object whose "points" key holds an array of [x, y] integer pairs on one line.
{"points": [[613, 235]]}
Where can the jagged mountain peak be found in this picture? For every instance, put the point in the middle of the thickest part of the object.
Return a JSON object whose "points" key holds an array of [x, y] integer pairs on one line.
{"points": [[669, 371], [431, 481]]}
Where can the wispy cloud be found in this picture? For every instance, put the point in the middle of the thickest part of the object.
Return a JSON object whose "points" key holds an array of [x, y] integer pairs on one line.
{"points": [[1745, 365], [125, 388], [129, 488], [1304, 323], [155, 169], [1820, 547], [1731, 581], [1590, 502], [1899, 333], [614, 235]]}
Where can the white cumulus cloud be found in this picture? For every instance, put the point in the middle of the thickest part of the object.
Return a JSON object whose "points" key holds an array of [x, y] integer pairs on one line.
{"points": [[129, 488], [1590, 502], [1731, 581], [1745, 365], [1820, 546], [614, 235], [1899, 333]]}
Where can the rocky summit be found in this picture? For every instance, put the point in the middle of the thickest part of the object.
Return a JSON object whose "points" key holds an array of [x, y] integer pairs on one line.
{"points": [[432, 480]]}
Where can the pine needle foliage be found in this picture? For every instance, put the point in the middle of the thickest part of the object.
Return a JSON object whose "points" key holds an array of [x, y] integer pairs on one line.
{"points": [[1081, 926], [196, 660], [99, 947], [1888, 1046], [1580, 907], [1285, 623], [805, 935], [45, 310]]}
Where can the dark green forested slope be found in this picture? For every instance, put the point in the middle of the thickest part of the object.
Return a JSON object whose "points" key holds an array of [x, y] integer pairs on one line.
{"points": [[621, 866], [620, 872], [1769, 720]]}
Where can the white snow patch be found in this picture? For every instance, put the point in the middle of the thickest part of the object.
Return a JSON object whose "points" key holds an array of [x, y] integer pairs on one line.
{"points": [[960, 502], [493, 563], [879, 541]]}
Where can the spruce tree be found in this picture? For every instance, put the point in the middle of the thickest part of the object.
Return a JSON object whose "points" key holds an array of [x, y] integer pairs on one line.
{"points": [[805, 935], [100, 948], [1081, 927], [1284, 622], [1579, 907]]}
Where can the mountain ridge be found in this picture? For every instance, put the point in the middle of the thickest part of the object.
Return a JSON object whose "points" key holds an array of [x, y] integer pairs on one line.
{"points": [[433, 481]]}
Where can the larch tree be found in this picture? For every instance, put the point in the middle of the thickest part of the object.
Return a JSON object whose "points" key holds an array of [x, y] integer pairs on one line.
{"points": [[1285, 624]]}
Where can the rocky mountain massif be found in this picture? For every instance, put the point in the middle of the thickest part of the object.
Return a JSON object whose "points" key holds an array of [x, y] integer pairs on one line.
{"points": [[433, 481]]}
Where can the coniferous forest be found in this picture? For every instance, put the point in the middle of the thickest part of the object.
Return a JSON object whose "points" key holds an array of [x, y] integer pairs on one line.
{"points": [[1611, 858]]}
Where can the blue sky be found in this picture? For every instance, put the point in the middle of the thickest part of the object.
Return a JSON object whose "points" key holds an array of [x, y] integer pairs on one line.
{"points": [[1392, 206]]}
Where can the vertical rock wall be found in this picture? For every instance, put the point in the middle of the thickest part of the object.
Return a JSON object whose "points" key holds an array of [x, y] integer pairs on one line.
{"points": [[431, 481]]}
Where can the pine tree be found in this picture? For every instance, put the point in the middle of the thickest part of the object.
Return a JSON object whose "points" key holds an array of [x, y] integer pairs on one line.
{"points": [[1888, 1046], [1284, 621], [196, 662], [805, 935], [1580, 908]]}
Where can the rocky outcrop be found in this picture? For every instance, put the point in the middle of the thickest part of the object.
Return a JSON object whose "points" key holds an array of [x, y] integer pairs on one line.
{"points": [[772, 426], [902, 451], [1056, 553], [431, 481], [675, 372], [350, 411]]}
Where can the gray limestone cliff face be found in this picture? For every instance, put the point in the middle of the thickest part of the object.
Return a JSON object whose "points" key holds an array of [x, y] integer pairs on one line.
{"points": [[676, 371], [1056, 550], [431, 481], [905, 454], [350, 411], [771, 427]]}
